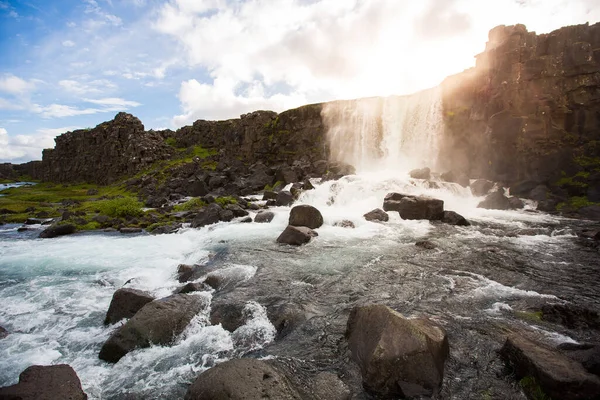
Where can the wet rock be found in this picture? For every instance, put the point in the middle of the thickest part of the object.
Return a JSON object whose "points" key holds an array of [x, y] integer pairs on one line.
{"points": [[345, 223], [547, 205], [130, 230], [185, 272], [495, 201], [539, 193], [285, 198], [264, 217], [377, 215], [243, 378], [425, 244], [589, 234], [246, 220], [296, 235], [125, 303], [226, 215], [481, 187], [286, 175], [207, 216], [588, 355], [230, 315], [414, 207], [3, 333], [34, 221], [269, 195], [193, 287], [158, 322], [453, 218], [164, 229], [306, 215], [515, 203], [327, 386], [558, 376], [455, 177], [285, 317], [50, 382], [58, 230], [423, 173], [320, 167], [571, 316], [524, 188], [236, 210], [101, 219], [590, 212], [196, 188], [307, 185], [397, 357]]}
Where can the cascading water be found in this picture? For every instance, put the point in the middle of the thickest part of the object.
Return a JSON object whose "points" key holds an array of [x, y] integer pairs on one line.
{"points": [[392, 133]]}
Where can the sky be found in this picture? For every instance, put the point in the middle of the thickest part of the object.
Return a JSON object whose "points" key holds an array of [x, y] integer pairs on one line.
{"points": [[70, 64]]}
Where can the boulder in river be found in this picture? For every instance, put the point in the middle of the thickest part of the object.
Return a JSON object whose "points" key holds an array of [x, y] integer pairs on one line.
{"points": [[587, 354], [269, 195], [50, 382], [397, 357], [548, 370], [58, 230], [455, 177], [481, 187], [229, 314], [285, 198], [495, 201], [414, 207], [296, 235], [3, 333], [207, 216], [244, 378], [130, 230], [423, 173], [264, 216], [306, 215], [125, 303], [377, 215], [158, 322], [453, 218], [193, 287]]}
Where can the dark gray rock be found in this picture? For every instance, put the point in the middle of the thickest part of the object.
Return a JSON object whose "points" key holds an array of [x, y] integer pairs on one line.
{"points": [[397, 357], [130, 230], [236, 210], [51, 382], [558, 376], [196, 188], [285, 198], [495, 201], [306, 215], [185, 272], [229, 314], [515, 203], [264, 217], [125, 303], [211, 214], [269, 195], [158, 323], [423, 173], [481, 187], [243, 378], [539, 193], [588, 355], [590, 212], [296, 235], [285, 317], [425, 244], [571, 316], [453, 218], [414, 207], [193, 287], [377, 215], [345, 224], [58, 230], [3, 333]]}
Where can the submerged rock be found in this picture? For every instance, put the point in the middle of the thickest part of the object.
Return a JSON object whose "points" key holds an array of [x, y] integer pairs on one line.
{"points": [[130, 230], [193, 287], [125, 303], [296, 235], [158, 322], [515, 203], [423, 173], [377, 215], [264, 216], [58, 230], [558, 376], [305, 215], [244, 378], [345, 223], [397, 357], [50, 382], [185, 272], [453, 218], [425, 244]]}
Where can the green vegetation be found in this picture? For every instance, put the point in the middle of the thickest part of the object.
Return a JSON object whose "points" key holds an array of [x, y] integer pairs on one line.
{"points": [[532, 388], [589, 162], [90, 226], [271, 187], [121, 207], [530, 316], [223, 201], [569, 181], [272, 124], [171, 142], [575, 203], [190, 205]]}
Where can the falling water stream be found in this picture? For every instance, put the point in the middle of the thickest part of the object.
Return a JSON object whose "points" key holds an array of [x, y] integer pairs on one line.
{"points": [[55, 293]]}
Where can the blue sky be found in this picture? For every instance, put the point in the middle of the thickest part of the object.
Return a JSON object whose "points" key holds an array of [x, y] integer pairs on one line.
{"points": [[68, 64]]}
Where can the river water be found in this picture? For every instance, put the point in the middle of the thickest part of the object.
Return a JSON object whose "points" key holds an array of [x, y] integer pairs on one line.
{"points": [[55, 293]]}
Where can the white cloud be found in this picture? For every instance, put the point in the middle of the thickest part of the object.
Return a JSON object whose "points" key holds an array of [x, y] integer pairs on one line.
{"points": [[61, 111], [113, 102], [14, 85], [68, 43], [85, 86]]}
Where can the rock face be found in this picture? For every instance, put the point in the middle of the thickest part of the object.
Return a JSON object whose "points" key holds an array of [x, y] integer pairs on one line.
{"points": [[305, 215], [527, 111], [414, 207], [481, 187], [397, 357], [125, 303], [557, 375], [571, 316], [45, 383], [158, 322], [296, 235], [242, 379]]}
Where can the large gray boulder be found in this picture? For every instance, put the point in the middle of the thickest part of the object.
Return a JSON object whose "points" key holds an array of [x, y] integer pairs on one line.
{"points": [[285, 198], [58, 230], [51, 382], [211, 214], [397, 357], [558, 376], [3, 333], [242, 379], [296, 235], [455, 177], [377, 215], [125, 303], [306, 215], [264, 217], [453, 218], [414, 207], [158, 322]]}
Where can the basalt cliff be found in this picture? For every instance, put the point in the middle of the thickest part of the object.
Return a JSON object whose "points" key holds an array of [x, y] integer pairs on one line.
{"points": [[527, 115]]}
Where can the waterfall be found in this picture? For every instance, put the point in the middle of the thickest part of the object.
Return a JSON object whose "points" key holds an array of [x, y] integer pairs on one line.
{"points": [[392, 133]]}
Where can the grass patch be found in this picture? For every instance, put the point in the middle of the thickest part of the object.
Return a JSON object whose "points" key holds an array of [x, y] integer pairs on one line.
{"points": [[121, 207], [223, 201], [90, 226], [531, 316], [190, 205], [171, 142], [532, 389]]}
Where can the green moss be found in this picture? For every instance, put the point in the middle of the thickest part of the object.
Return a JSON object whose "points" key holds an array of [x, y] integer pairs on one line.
{"points": [[585, 161], [532, 389], [90, 226], [122, 207], [211, 165], [568, 181], [190, 205], [223, 201], [531, 316], [271, 187], [171, 142]]}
